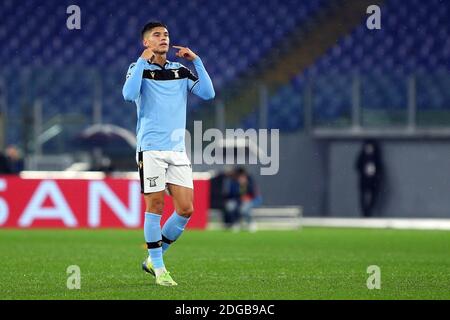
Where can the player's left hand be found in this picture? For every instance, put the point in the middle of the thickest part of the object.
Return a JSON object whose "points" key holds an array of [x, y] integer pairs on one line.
{"points": [[184, 52]]}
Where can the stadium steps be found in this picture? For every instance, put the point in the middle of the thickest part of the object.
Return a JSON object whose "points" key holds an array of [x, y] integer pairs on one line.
{"points": [[265, 218], [300, 51]]}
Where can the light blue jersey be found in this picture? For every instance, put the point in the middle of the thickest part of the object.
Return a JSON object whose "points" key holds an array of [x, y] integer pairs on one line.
{"points": [[160, 94]]}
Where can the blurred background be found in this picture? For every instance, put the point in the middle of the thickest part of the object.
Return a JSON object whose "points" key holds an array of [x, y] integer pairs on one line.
{"points": [[364, 115]]}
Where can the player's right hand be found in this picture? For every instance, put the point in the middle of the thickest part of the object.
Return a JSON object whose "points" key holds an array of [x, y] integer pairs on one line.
{"points": [[148, 54]]}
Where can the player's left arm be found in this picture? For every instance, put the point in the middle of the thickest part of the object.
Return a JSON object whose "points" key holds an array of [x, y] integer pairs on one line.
{"points": [[201, 85]]}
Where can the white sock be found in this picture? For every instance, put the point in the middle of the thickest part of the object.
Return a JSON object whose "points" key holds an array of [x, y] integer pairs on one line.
{"points": [[160, 271]]}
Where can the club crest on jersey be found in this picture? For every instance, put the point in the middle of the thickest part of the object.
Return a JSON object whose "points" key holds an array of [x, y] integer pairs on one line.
{"points": [[176, 73], [152, 181]]}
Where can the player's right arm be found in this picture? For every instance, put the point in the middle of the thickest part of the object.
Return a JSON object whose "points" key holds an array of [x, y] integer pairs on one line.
{"points": [[132, 87]]}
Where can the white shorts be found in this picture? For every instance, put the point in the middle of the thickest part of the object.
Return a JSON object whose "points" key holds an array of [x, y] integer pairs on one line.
{"points": [[156, 168]]}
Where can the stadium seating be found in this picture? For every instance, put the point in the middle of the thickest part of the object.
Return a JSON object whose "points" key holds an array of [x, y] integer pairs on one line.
{"points": [[62, 67], [69, 70], [414, 40]]}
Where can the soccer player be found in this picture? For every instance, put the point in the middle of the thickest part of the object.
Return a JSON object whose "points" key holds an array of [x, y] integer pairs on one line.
{"points": [[159, 88]]}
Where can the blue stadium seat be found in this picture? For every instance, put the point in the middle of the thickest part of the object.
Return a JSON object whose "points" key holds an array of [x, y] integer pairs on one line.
{"points": [[230, 36], [414, 40]]}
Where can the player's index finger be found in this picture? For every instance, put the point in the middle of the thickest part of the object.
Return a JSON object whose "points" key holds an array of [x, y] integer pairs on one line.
{"points": [[178, 47]]}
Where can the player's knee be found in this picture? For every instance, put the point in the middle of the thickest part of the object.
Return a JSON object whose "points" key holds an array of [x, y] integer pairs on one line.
{"points": [[186, 211], [155, 206]]}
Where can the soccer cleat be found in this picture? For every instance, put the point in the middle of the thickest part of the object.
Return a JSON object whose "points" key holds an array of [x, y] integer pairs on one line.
{"points": [[147, 266], [165, 280]]}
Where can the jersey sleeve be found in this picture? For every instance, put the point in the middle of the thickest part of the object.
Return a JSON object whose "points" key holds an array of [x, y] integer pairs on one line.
{"points": [[192, 80], [130, 69], [132, 87], [200, 84]]}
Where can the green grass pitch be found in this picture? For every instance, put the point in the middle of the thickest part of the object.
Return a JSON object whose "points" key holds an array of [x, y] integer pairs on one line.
{"points": [[311, 263]]}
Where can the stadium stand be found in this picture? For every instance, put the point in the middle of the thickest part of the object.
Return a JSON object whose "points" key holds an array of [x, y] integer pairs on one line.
{"points": [[413, 41], [69, 71]]}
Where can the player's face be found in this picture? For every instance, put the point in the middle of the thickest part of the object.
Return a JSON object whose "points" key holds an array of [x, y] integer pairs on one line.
{"points": [[158, 40]]}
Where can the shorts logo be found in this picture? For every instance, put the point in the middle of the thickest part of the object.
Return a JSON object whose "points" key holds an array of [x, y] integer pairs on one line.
{"points": [[141, 164], [152, 181]]}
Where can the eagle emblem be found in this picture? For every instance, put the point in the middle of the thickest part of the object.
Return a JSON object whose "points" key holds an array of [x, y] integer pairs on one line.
{"points": [[152, 181]]}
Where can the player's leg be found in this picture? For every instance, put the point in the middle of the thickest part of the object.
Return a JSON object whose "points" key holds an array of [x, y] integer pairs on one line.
{"points": [[175, 225], [180, 184], [152, 175], [154, 204]]}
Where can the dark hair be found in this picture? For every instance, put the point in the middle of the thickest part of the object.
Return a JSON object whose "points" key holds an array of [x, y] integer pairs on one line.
{"points": [[151, 25]]}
